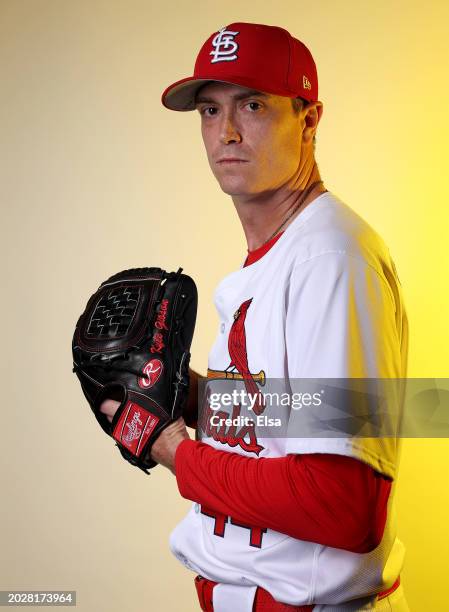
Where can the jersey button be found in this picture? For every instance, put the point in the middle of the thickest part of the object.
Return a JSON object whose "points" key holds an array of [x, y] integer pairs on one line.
{"points": [[222, 328], [197, 508]]}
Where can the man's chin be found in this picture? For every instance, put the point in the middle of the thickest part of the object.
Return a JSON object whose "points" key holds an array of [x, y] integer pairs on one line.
{"points": [[232, 188]]}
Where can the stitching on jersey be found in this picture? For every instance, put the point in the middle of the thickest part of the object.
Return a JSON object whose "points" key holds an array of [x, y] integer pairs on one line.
{"points": [[356, 257]]}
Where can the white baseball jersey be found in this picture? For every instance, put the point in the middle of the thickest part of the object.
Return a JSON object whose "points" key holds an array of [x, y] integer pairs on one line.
{"points": [[325, 302]]}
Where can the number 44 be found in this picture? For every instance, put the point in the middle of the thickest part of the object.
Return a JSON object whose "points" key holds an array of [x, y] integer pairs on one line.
{"points": [[256, 533]]}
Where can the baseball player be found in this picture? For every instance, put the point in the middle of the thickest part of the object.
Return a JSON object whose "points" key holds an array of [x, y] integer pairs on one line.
{"points": [[286, 522]]}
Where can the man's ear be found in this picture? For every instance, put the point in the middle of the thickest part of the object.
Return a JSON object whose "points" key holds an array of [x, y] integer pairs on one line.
{"points": [[312, 119]]}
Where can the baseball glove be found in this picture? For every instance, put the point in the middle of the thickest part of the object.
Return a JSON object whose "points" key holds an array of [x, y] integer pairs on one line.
{"points": [[132, 344]]}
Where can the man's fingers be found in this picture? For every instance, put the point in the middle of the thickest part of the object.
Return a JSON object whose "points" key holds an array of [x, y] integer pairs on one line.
{"points": [[109, 408]]}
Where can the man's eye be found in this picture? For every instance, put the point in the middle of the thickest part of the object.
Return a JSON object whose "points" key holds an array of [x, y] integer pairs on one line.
{"points": [[208, 111], [254, 106]]}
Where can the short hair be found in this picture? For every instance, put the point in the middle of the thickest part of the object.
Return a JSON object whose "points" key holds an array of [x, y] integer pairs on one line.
{"points": [[297, 105]]}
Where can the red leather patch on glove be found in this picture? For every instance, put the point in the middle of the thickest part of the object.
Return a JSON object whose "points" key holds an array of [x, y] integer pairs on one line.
{"points": [[134, 427]]}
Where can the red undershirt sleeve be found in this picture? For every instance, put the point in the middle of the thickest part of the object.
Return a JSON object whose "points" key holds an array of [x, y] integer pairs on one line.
{"points": [[330, 499]]}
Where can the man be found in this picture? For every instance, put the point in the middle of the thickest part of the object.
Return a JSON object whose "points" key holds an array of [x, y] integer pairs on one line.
{"points": [[286, 522]]}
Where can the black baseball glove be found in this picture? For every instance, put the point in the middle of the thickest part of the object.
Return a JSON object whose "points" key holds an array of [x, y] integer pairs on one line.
{"points": [[132, 344]]}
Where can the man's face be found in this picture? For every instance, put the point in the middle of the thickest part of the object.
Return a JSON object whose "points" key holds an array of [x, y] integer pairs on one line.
{"points": [[253, 140]]}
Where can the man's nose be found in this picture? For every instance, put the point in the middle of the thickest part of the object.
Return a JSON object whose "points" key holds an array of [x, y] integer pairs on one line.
{"points": [[229, 131]]}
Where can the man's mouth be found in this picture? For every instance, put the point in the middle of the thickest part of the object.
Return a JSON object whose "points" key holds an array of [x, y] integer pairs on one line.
{"points": [[231, 160]]}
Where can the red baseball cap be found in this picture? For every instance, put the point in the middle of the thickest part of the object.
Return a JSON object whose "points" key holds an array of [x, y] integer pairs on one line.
{"points": [[262, 57]]}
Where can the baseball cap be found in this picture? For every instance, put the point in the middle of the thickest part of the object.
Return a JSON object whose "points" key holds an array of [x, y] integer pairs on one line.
{"points": [[257, 56]]}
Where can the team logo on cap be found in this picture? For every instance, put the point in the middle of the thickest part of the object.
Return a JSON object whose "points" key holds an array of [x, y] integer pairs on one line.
{"points": [[224, 46], [306, 83]]}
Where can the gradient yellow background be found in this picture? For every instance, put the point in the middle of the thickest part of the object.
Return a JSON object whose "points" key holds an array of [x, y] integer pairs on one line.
{"points": [[96, 176]]}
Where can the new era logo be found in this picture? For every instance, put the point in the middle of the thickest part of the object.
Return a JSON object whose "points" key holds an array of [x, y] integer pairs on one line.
{"points": [[306, 83]]}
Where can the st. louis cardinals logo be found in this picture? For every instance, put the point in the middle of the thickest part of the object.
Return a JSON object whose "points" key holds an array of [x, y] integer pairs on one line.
{"points": [[224, 46], [152, 371], [238, 369]]}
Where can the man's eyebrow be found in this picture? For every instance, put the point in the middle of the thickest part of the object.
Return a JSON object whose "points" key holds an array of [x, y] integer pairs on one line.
{"points": [[241, 96]]}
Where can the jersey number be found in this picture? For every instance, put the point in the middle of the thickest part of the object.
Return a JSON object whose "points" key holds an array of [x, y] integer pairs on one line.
{"points": [[256, 533]]}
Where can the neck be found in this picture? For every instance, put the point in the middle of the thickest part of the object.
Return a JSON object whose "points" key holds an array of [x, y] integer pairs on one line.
{"points": [[261, 214]]}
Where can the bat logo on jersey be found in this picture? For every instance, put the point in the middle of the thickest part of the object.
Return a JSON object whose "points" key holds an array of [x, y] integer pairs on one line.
{"points": [[224, 46]]}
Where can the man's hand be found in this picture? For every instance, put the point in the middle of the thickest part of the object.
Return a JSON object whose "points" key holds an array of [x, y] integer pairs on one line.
{"points": [[109, 408], [164, 449]]}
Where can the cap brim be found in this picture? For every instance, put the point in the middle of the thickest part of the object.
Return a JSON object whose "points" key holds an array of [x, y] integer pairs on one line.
{"points": [[181, 95]]}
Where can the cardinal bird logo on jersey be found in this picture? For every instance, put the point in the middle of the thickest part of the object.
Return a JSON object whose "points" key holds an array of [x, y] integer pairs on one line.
{"points": [[242, 434], [239, 355], [238, 369]]}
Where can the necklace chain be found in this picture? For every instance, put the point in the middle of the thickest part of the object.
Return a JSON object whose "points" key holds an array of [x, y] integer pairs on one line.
{"points": [[303, 197]]}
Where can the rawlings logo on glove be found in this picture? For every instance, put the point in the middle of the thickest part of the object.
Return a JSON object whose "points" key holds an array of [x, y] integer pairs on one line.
{"points": [[152, 370]]}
